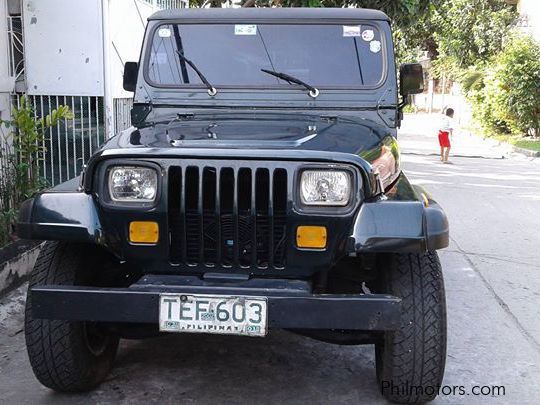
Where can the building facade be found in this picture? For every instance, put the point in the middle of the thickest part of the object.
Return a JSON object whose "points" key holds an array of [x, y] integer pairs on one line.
{"points": [[529, 16], [73, 53]]}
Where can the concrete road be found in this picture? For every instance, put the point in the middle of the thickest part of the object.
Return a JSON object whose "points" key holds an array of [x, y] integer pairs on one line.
{"points": [[492, 271]]}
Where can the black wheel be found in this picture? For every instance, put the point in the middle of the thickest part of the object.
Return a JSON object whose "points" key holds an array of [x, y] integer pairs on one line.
{"points": [[67, 356], [410, 361]]}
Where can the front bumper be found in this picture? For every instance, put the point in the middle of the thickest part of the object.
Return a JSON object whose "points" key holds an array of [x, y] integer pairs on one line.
{"points": [[291, 305]]}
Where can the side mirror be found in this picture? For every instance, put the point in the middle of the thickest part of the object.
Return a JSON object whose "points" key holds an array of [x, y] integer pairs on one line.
{"points": [[130, 76], [411, 79]]}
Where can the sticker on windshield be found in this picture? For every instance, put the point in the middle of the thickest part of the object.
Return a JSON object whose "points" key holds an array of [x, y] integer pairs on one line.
{"points": [[351, 30], [242, 29], [164, 33], [368, 35], [375, 46]]}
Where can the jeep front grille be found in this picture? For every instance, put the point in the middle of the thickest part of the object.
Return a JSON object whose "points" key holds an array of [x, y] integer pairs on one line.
{"points": [[225, 216]]}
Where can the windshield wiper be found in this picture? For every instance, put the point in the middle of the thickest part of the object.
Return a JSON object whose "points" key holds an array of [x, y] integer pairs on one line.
{"points": [[313, 92], [211, 89]]}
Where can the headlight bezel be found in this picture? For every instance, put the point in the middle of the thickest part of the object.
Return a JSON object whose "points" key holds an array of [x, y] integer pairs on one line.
{"points": [[104, 181], [328, 209]]}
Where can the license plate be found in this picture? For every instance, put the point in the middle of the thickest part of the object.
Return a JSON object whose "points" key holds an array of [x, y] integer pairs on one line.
{"points": [[231, 315]]}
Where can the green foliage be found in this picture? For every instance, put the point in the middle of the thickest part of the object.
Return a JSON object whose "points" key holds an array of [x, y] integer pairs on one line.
{"points": [[530, 144], [455, 34], [504, 92], [481, 95], [7, 219], [409, 109], [404, 13], [22, 149], [516, 80], [469, 31], [472, 79]]}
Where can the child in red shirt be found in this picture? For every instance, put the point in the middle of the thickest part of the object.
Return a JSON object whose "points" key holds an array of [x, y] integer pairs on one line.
{"points": [[445, 130]]}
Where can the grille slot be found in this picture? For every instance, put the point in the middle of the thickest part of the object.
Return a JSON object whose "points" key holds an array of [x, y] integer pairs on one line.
{"points": [[221, 216]]}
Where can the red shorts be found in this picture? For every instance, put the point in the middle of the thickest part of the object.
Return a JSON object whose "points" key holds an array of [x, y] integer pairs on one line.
{"points": [[444, 139]]}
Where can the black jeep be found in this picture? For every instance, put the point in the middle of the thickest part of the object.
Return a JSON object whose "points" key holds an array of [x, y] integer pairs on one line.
{"points": [[260, 187]]}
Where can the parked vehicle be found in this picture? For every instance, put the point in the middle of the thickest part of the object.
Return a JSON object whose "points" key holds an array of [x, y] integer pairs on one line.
{"points": [[259, 188]]}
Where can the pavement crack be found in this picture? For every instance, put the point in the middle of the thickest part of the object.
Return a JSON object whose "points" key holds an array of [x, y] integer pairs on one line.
{"points": [[499, 300], [494, 257]]}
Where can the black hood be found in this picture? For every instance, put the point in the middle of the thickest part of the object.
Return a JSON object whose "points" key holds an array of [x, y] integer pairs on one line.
{"points": [[257, 131]]}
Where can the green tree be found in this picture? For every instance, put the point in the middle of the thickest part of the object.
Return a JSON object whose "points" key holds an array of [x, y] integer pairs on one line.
{"points": [[469, 31]]}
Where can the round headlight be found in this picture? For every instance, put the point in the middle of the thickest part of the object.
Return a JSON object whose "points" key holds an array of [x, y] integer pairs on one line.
{"points": [[325, 187], [138, 184]]}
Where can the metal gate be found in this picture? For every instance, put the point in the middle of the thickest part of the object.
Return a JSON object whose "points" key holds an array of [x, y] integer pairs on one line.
{"points": [[68, 146], [122, 114]]}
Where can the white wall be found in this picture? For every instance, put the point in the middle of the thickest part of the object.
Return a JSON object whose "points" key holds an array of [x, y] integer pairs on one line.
{"points": [[531, 9], [436, 102], [6, 82], [63, 47], [127, 21]]}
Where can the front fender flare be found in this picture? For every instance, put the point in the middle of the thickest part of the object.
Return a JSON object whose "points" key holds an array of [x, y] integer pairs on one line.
{"points": [[400, 226], [69, 216]]}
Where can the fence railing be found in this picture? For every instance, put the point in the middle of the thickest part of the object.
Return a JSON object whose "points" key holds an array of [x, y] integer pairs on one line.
{"points": [[5, 181], [68, 146], [164, 4], [15, 47], [122, 114]]}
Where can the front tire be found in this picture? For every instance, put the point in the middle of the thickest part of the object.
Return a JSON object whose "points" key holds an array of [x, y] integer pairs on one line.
{"points": [[410, 361], [67, 356]]}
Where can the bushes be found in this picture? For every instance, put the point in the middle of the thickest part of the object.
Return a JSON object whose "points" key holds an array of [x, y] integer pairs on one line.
{"points": [[517, 81], [20, 153], [479, 85], [504, 93]]}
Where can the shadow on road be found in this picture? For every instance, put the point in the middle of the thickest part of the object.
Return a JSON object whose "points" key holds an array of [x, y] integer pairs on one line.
{"points": [[282, 367]]}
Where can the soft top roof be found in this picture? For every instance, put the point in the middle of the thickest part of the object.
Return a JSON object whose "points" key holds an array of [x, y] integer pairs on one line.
{"points": [[280, 13]]}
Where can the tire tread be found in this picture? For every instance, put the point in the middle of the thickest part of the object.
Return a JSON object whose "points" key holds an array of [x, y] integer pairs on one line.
{"points": [[55, 348], [414, 355]]}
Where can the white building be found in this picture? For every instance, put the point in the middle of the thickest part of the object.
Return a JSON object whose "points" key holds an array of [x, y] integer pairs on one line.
{"points": [[72, 52], [529, 16]]}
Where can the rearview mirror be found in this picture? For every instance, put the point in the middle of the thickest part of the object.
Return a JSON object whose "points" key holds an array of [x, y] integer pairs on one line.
{"points": [[130, 76], [411, 79]]}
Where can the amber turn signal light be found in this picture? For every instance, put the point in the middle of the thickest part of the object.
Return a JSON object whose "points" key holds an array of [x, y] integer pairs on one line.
{"points": [[143, 232], [311, 237]]}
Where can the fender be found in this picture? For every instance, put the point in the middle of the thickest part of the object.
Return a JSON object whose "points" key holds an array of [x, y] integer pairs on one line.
{"points": [[62, 213], [408, 219]]}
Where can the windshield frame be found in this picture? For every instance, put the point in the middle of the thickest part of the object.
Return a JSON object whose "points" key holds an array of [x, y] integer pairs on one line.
{"points": [[282, 86]]}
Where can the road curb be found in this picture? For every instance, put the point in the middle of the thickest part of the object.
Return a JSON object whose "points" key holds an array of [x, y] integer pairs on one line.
{"points": [[16, 262], [526, 152]]}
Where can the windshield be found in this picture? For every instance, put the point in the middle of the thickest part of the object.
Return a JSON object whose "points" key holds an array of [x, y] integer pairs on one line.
{"points": [[335, 56]]}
